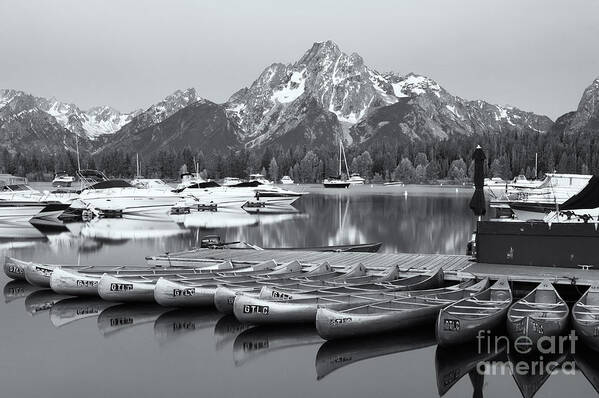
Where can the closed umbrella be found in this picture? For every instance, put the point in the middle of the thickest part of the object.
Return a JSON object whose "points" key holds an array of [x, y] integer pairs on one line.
{"points": [[477, 203]]}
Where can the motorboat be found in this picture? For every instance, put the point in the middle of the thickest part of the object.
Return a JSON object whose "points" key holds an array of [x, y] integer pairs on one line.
{"points": [[534, 203], [286, 180], [230, 181], [120, 196], [338, 181], [496, 186], [19, 192], [239, 194], [260, 178], [188, 179], [62, 179], [151, 183], [12, 211], [355, 179]]}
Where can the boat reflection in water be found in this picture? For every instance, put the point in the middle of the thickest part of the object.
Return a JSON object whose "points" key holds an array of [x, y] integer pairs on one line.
{"points": [[41, 301], [231, 218], [123, 316], [75, 309], [15, 290], [453, 363], [586, 362], [128, 227], [227, 329], [539, 368], [262, 340], [336, 354], [181, 322]]}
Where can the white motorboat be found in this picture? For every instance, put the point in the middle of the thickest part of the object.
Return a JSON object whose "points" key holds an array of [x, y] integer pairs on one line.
{"points": [[120, 196], [235, 196], [260, 178], [12, 211], [230, 181], [62, 179], [286, 180], [534, 203], [188, 179], [151, 183], [355, 179], [19, 192], [338, 181]]}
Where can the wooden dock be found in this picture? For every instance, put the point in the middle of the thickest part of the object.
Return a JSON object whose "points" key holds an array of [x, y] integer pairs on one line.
{"points": [[456, 267]]}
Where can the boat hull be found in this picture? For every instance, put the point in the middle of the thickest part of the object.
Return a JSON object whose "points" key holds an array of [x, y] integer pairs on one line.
{"points": [[73, 283], [14, 269], [38, 274], [529, 330], [173, 294], [123, 290]]}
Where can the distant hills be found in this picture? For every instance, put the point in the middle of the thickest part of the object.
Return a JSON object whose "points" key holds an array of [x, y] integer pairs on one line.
{"points": [[325, 96]]}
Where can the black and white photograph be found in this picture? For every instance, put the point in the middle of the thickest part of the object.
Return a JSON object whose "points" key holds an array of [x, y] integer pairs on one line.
{"points": [[325, 198]]}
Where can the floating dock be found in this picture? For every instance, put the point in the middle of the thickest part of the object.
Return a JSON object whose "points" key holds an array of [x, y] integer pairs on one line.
{"points": [[455, 266]]}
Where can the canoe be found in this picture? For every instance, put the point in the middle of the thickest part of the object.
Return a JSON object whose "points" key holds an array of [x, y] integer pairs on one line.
{"points": [[40, 274], [177, 323], [486, 311], [585, 317], [454, 362], [349, 282], [542, 312], [81, 283], [389, 315], [391, 282], [257, 310], [126, 289], [190, 257], [263, 340], [336, 354], [181, 294], [14, 268]]}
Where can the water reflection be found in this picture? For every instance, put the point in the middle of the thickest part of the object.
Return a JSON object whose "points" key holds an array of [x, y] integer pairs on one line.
{"points": [[227, 329], [334, 355], [124, 316], [75, 309], [41, 301], [263, 340], [15, 290], [586, 362], [454, 363], [174, 324], [539, 369]]}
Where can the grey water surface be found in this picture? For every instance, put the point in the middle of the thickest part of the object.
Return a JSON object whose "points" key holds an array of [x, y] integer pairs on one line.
{"points": [[56, 346]]}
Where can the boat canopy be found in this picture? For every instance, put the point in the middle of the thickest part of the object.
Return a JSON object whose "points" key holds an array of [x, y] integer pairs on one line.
{"points": [[198, 185], [111, 184], [587, 198], [246, 184]]}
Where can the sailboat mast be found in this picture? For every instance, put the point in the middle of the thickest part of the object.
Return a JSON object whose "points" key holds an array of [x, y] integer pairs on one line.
{"points": [[536, 163], [345, 160], [137, 164], [339, 158], [77, 145]]}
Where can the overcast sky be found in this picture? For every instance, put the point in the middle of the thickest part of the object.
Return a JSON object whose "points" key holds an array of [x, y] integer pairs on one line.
{"points": [[536, 55]]}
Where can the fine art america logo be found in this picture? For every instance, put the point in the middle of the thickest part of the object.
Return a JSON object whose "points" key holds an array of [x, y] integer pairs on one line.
{"points": [[538, 357]]}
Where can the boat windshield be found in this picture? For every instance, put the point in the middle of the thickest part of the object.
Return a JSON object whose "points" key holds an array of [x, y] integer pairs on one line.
{"points": [[111, 184], [16, 187]]}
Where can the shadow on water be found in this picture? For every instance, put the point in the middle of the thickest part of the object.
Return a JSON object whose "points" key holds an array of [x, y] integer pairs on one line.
{"points": [[336, 354]]}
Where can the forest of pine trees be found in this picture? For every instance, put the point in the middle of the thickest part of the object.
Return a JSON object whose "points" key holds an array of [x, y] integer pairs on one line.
{"points": [[415, 162]]}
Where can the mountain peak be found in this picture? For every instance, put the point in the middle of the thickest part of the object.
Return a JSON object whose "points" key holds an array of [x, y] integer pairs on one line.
{"points": [[319, 51]]}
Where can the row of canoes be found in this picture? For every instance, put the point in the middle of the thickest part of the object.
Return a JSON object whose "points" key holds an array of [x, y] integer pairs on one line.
{"points": [[249, 343], [341, 303]]}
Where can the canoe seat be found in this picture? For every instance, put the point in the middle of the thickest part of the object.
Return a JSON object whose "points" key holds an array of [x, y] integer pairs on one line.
{"points": [[499, 295], [545, 296], [592, 298]]}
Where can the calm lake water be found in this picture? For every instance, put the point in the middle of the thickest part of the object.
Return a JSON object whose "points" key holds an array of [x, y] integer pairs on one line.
{"points": [[54, 346]]}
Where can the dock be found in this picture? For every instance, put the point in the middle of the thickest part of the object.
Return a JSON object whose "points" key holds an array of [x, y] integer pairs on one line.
{"points": [[455, 266]]}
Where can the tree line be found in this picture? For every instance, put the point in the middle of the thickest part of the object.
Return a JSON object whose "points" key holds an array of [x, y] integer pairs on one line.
{"points": [[508, 154]]}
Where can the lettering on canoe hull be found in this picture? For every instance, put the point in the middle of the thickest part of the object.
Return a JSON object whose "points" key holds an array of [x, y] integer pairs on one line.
{"points": [[121, 287], [114, 322], [256, 309], [339, 321], [44, 271], [86, 283], [15, 269], [281, 295], [184, 292], [451, 325]]}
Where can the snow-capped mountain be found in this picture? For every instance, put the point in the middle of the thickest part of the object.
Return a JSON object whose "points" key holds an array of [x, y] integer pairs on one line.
{"points": [[344, 86], [90, 124]]}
